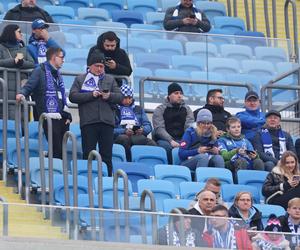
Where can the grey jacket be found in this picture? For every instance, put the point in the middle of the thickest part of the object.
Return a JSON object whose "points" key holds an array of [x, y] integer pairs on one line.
{"points": [[96, 110], [159, 122]]}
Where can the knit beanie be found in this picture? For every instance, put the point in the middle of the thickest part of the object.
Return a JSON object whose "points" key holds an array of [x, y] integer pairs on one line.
{"points": [[95, 57], [204, 115], [173, 87], [126, 90], [273, 224]]}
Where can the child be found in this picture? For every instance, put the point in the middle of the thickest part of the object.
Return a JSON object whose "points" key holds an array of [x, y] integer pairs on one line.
{"points": [[237, 151]]}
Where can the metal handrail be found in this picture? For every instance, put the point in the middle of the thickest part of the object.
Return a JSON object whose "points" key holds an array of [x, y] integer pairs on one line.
{"points": [[254, 28], [235, 14], [267, 20], [246, 4], [229, 12], [181, 227], [4, 217]]}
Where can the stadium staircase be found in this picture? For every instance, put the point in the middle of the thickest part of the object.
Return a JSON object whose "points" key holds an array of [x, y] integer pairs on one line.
{"points": [[26, 222]]}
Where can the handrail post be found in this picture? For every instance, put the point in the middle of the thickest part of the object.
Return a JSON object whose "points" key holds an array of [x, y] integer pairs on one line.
{"points": [[121, 173], [144, 194], [254, 15], [267, 20], [4, 217], [246, 5], [70, 135], [229, 12], [181, 227], [274, 14], [4, 135], [235, 8], [18, 146]]}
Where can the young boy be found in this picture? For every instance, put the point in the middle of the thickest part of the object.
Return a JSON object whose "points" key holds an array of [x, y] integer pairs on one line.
{"points": [[237, 151]]}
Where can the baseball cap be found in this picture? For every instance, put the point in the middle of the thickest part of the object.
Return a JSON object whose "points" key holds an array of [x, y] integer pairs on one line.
{"points": [[250, 94], [39, 24]]}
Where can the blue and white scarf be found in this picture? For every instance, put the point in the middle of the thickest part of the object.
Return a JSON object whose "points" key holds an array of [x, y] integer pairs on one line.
{"points": [[52, 96], [230, 240], [267, 142], [295, 238], [189, 238], [91, 81], [42, 49], [128, 116]]}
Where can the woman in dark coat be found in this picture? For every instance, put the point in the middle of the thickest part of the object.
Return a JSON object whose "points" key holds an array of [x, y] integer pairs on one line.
{"points": [[13, 54]]}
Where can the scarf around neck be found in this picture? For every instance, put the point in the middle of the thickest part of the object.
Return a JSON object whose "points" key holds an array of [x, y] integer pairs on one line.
{"points": [[230, 240], [189, 238], [91, 82], [267, 142], [295, 238]]}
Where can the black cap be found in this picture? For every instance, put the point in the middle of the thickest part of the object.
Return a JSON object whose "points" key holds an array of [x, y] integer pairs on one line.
{"points": [[95, 57], [250, 94], [173, 87], [273, 112]]}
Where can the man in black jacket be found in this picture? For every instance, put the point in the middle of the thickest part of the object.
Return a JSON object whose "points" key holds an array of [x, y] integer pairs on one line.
{"points": [[116, 59], [215, 104]]}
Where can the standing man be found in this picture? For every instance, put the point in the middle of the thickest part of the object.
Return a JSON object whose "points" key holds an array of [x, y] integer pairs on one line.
{"points": [[96, 95], [47, 86], [116, 59], [171, 119], [215, 104]]}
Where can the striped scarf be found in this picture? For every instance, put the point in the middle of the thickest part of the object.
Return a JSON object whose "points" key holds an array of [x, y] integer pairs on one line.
{"points": [[230, 240], [189, 238], [267, 142]]}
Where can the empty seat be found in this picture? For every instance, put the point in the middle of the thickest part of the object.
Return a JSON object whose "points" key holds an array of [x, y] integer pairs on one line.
{"points": [[77, 56], [119, 28], [152, 61], [71, 67], [118, 153], [223, 65], [71, 40], [76, 26], [166, 47], [150, 155], [231, 24], [169, 204], [156, 18], [188, 190], [109, 5], [238, 52], [230, 190], [146, 31], [250, 38], [138, 73], [126, 16], [142, 6], [88, 40], [211, 9], [267, 209], [271, 54], [258, 68], [188, 63], [82, 168], [59, 13], [175, 157], [93, 14], [138, 45], [224, 175], [201, 49], [75, 4]]}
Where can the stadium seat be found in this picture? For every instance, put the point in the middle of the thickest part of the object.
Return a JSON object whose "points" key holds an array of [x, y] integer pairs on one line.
{"points": [[135, 171], [77, 26], [126, 16], [211, 9], [267, 209], [220, 36], [11, 130], [250, 38], [93, 14], [71, 41], [224, 175], [82, 168], [271, 54], [77, 56], [188, 190], [169, 204], [166, 47], [152, 61], [228, 192], [138, 73], [238, 52], [188, 63], [88, 40], [258, 68], [231, 24], [71, 67], [75, 4], [60, 13], [165, 4], [175, 157], [174, 173], [146, 31], [142, 6], [156, 18], [223, 65], [119, 154], [254, 178], [138, 45], [201, 49], [119, 28], [150, 155], [109, 5]]}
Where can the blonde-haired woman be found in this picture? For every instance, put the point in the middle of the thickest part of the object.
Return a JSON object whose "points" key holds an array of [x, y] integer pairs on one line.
{"points": [[199, 146], [282, 183]]}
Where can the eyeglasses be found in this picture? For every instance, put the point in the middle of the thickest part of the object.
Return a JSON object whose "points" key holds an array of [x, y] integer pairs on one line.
{"points": [[61, 57], [219, 97]]}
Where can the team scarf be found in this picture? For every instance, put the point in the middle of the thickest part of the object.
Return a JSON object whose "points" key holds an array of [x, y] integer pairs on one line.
{"points": [[42, 49], [51, 95], [294, 238], [230, 241], [91, 81], [267, 142], [266, 243], [128, 116], [189, 238]]}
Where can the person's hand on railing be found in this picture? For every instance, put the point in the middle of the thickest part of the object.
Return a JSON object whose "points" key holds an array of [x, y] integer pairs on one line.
{"points": [[20, 97]]}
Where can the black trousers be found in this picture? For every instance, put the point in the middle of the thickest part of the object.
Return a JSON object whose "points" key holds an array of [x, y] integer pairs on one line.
{"points": [[101, 134], [59, 127]]}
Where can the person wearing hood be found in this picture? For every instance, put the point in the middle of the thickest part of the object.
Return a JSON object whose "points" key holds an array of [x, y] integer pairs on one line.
{"points": [[237, 151], [199, 146], [13, 54], [96, 94], [243, 208], [116, 59], [271, 141], [132, 124], [171, 119], [252, 118]]}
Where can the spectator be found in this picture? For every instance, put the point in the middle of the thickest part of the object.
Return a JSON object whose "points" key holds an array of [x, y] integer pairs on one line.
{"points": [[282, 183], [223, 233], [40, 41], [171, 119], [215, 104], [96, 94], [199, 146], [47, 86], [237, 151], [271, 141], [185, 17], [273, 240], [244, 209], [116, 59], [13, 55], [291, 221], [252, 118], [132, 124], [166, 238], [27, 10]]}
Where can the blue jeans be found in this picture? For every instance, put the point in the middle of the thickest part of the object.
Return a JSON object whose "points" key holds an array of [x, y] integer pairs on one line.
{"points": [[201, 160]]}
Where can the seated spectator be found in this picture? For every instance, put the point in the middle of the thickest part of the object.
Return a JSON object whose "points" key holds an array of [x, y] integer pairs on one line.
{"points": [[223, 234], [214, 185], [282, 183], [271, 141], [132, 124], [167, 237], [13, 55], [185, 17], [237, 151], [244, 209], [252, 118], [215, 104], [116, 59], [273, 240], [291, 223], [199, 146], [171, 119]]}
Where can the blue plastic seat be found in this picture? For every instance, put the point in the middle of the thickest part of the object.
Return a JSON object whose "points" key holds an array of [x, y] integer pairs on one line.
{"points": [[267, 209], [231, 24], [271, 54], [82, 168], [76, 26], [59, 13], [71, 40], [75, 4], [146, 31], [152, 61], [11, 130], [156, 18], [138, 45], [224, 175], [219, 36], [175, 157], [238, 52], [188, 63], [174, 173], [254, 178], [250, 38], [150, 155], [166, 47], [71, 67], [88, 40], [201, 49], [118, 152], [188, 190], [77, 56], [223, 65], [169, 204], [211, 9], [138, 73], [93, 14], [126, 16], [119, 28], [142, 6], [228, 192], [109, 5], [258, 68]]}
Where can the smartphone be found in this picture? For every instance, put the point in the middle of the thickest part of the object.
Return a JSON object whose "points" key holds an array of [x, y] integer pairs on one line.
{"points": [[105, 90], [192, 16], [108, 58], [249, 151], [296, 178], [135, 128]]}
